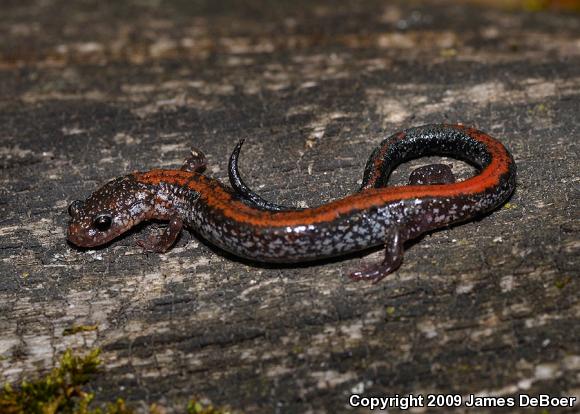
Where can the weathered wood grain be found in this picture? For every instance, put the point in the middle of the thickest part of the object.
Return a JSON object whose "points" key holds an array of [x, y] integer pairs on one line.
{"points": [[89, 92]]}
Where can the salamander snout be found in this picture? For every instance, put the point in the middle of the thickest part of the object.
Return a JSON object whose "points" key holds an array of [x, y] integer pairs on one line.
{"points": [[86, 232], [108, 212]]}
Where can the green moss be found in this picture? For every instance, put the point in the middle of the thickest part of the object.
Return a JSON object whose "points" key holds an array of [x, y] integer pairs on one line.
{"points": [[61, 391], [58, 392], [563, 282], [539, 110], [118, 407], [448, 52], [535, 5], [392, 314], [196, 407], [297, 349]]}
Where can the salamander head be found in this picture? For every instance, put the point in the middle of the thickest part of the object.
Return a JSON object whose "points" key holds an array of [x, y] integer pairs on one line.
{"points": [[109, 212]]}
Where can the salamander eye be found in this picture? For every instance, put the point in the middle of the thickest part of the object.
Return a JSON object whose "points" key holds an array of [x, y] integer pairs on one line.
{"points": [[102, 222], [75, 207]]}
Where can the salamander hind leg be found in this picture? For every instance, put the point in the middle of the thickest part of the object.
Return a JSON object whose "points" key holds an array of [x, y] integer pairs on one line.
{"points": [[162, 243], [196, 162], [393, 258], [432, 174]]}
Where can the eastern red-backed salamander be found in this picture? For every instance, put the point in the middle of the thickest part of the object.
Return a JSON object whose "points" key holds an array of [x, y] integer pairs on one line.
{"points": [[246, 225]]}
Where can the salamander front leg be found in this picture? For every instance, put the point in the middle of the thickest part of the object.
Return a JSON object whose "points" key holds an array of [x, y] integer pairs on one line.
{"points": [[196, 162], [393, 258], [162, 243]]}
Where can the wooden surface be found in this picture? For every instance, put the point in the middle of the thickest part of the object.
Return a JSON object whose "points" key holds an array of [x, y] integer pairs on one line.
{"points": [[93, 90]]}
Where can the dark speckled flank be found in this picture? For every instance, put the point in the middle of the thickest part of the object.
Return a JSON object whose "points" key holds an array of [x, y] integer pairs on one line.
{"points": [[243, 223]]}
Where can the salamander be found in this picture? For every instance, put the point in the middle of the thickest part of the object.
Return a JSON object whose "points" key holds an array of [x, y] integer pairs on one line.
{"points": [[241, 222]]}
